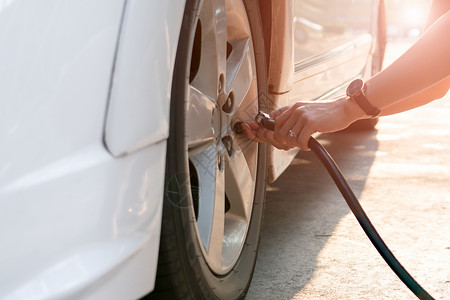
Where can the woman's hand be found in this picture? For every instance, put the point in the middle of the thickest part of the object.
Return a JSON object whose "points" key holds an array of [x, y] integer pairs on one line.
{"points": [[295, 124], [259, 134]]}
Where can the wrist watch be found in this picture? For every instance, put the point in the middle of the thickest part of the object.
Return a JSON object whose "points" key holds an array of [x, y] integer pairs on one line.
{"points": [[356, 92]]}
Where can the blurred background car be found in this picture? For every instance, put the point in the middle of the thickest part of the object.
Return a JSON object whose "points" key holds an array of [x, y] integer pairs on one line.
{"points": [[120, 170]]}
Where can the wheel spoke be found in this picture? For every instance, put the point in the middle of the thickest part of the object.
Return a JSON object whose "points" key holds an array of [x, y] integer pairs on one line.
{"points": [[237, 24], [218, 221], [213, 53], [211, 209], [240, 69], [202, 120], [240, 181], [248, 108], [235, 228]]}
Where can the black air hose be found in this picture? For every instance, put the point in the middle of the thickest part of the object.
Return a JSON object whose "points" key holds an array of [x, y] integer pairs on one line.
{"points": [[358, 211]]}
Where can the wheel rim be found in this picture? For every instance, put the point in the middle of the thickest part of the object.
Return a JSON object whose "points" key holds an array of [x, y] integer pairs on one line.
{"points": [[222, 89]]}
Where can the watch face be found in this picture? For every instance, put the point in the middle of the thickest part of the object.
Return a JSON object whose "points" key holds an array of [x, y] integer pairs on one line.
{"points": [[355, 87]]}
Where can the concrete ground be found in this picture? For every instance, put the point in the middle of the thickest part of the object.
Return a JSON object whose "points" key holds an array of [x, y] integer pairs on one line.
{"points": [[312, 246]]}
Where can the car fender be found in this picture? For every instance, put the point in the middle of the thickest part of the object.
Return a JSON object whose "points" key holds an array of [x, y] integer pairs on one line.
{"points": [[138, 111], [78, 222]]}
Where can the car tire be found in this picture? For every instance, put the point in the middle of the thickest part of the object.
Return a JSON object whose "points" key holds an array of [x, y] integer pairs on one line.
{"points": [[215, 179]]}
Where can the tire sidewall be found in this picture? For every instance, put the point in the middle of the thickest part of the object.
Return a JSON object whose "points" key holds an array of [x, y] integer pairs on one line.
{"points": [[202, 283]]}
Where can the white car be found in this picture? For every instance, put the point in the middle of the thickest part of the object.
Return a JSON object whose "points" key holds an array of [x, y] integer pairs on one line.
{"points": [[116, 121]]}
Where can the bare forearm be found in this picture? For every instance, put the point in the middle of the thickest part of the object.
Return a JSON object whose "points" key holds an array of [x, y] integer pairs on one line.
{"points": [[437, 91], [437, 9], [424, 64], [418, 76]]}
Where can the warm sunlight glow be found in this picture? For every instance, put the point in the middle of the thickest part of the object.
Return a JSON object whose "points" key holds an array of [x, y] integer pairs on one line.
{"points": [[406, 18], [413, 16]]}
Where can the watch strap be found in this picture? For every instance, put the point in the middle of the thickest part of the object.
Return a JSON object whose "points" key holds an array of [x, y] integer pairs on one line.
{"points": [[365, 105], [356, 91]]}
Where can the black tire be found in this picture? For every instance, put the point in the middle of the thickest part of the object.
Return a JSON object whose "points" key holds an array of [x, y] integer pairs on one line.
{"points": [[183, 270]]}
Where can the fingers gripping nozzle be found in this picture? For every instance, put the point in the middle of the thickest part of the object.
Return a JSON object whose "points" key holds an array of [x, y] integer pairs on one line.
{"points": [[261, 118], [265, 121]]}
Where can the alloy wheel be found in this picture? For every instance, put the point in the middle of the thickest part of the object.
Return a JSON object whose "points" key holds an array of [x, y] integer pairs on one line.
{"points": [[222, 90]]}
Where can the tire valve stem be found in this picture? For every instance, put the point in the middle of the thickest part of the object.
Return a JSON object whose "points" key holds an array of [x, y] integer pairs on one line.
{"points": [[227, 141], [237, 128], [227, 107]]}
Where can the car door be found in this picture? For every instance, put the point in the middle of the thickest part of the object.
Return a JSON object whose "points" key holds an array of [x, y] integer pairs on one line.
{"points": [[316, 48], [332, 40]]}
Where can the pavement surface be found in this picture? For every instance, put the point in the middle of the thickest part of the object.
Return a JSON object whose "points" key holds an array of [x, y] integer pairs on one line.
{"points": [[312, 247]]}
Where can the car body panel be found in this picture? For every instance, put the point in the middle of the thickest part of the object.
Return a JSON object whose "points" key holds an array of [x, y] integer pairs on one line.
{"points": [[85, 226], [76, 222], [323, 26], [84, 96], [281, 52], [330, 44], [315, 76], [138, 112]]}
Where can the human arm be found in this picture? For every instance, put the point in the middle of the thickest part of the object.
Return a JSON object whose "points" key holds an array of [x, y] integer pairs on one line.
{"points": [[438, 8], [426, 63], [437, 91]]}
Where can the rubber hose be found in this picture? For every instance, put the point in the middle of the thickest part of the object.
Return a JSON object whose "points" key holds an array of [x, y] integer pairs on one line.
{"points": [[364, 221], [360, 215]]}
